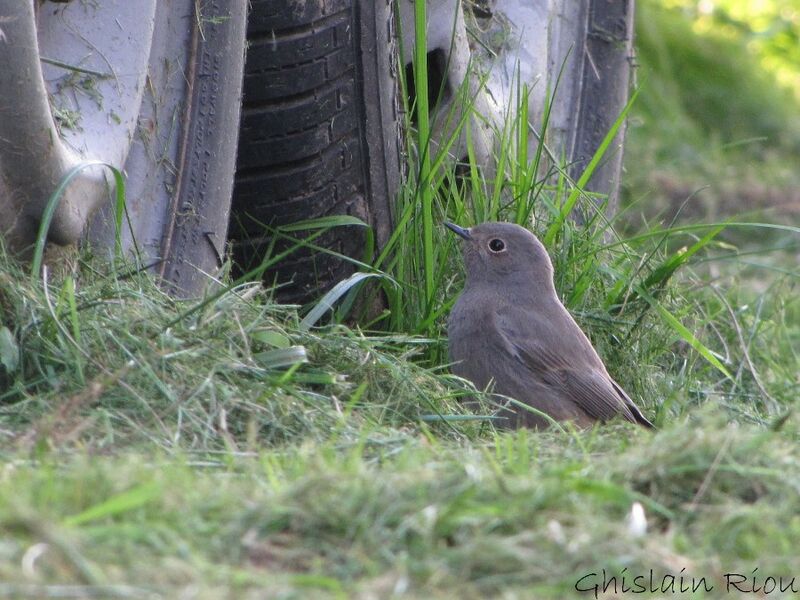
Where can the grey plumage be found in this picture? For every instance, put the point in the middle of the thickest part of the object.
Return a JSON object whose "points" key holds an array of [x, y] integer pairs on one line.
{"points": [[509, 328]]}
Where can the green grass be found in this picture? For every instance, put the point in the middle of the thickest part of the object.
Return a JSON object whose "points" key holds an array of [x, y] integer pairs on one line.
{"points": [[146, 459], [234, 447], [711, 123], [516, 514]]}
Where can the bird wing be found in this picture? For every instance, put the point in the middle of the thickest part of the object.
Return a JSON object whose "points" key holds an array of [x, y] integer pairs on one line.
{"points": [[577, 371]]}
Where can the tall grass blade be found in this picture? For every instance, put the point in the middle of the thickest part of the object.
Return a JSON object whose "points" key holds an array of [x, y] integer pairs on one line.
{"points": [[580, 185], [684, 333], [328, 300], [423, 140], [55, 198]]}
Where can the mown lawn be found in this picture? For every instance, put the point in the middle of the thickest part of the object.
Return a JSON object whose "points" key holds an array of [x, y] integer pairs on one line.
{"points": [[155, 449]]}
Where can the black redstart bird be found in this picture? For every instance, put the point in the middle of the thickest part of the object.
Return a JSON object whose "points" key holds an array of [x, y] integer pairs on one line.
{"points": [[509, 329]]}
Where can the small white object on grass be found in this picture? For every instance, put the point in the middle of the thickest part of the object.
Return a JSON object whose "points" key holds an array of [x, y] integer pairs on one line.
{"points": [[637, 521], [556, 532], [30, 557]]}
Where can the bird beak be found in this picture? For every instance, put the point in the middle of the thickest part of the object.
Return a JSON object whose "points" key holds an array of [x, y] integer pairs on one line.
{"points": [[459, 231]]}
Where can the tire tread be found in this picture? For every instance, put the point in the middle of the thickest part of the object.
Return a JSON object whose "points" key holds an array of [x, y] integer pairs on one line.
{"points": [[303, 148]]}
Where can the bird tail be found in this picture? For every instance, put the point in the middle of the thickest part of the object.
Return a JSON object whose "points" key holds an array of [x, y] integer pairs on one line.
{"points": [[638, 417]]}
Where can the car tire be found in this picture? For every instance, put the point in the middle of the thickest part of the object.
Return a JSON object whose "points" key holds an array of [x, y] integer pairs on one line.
{"points": [[319, 135], [181, 165], [150, 88], [598, 36]]}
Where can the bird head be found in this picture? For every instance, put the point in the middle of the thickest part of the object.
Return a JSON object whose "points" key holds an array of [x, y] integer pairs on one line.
{"points": [[502, 254]]}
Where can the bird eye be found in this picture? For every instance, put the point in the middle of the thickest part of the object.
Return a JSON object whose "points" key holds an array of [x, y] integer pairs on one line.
{"points": [[496, 245]]}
